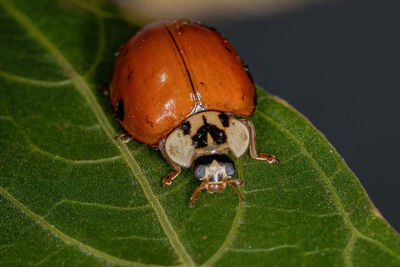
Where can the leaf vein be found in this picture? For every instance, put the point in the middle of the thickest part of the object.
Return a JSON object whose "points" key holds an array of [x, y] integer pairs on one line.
{"points": [[34, 148], [100, 49], [84, 248], [379, 244], [143, 238], [294, 211], [262, 250], [335, 197], [20, 79], [47, 257], [259, 190], [318, 251], [97, 205], [82, 86]]}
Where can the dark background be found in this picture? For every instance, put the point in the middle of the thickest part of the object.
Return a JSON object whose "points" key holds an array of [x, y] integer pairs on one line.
{"points": [[339, 65]]}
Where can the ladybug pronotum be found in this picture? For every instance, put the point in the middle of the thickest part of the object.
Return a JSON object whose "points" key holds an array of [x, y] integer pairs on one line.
{"points": [[177, 86]]}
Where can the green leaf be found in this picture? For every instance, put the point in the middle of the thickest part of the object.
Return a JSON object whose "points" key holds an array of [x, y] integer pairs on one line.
{"points": [[72, 194]]}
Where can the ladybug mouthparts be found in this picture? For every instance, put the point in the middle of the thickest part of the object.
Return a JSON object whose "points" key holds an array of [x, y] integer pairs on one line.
{"points": [[215, 188]]}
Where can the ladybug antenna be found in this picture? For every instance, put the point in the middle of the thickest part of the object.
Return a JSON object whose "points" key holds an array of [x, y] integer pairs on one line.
{"points": [[234, 183]]}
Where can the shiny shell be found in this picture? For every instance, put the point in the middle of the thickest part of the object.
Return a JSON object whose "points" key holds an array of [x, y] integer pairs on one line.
{"points": [[171, 70]]}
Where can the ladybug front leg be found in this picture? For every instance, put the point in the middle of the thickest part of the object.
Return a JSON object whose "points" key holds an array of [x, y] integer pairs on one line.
{"points": [[196, 192], [177, 168], [253, 151], [171, 176], [234, 183]]}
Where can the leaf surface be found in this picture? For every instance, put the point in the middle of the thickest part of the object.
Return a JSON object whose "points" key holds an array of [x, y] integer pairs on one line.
{"points": [[71, 193]]}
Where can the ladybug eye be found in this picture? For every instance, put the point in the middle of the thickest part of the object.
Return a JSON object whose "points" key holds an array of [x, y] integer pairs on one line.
{"points": [[199, 171], [230, 169]]}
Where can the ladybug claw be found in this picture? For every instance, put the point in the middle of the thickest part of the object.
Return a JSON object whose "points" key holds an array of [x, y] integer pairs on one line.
{"points": [[272, 159], [268, 157], [196, 192], [168, 180], [165, 182]]}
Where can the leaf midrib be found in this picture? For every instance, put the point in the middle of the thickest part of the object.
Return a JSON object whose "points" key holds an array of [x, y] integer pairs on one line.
{"points": [[82, 86]]}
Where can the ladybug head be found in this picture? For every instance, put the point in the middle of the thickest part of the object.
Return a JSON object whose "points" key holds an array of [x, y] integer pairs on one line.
{"points": [[215, 171]]}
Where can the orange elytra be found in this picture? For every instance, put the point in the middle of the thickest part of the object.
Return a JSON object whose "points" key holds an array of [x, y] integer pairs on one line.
{"points": [[176, 86]]}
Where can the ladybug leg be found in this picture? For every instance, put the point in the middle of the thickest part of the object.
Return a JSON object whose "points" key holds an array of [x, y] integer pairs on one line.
{"points": [[171, 176], [196, 192], [234, 183], [124, 137], [253, 152], [177, 168]]}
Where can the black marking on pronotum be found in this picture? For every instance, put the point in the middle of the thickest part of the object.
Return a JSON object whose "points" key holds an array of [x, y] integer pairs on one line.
{"points": [[200, 138], [224, 119], [204, 119], [185, 127], [119, 111]]}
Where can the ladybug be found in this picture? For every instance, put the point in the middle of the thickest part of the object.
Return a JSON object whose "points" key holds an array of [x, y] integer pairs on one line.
{"points": [[177, 86]]}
